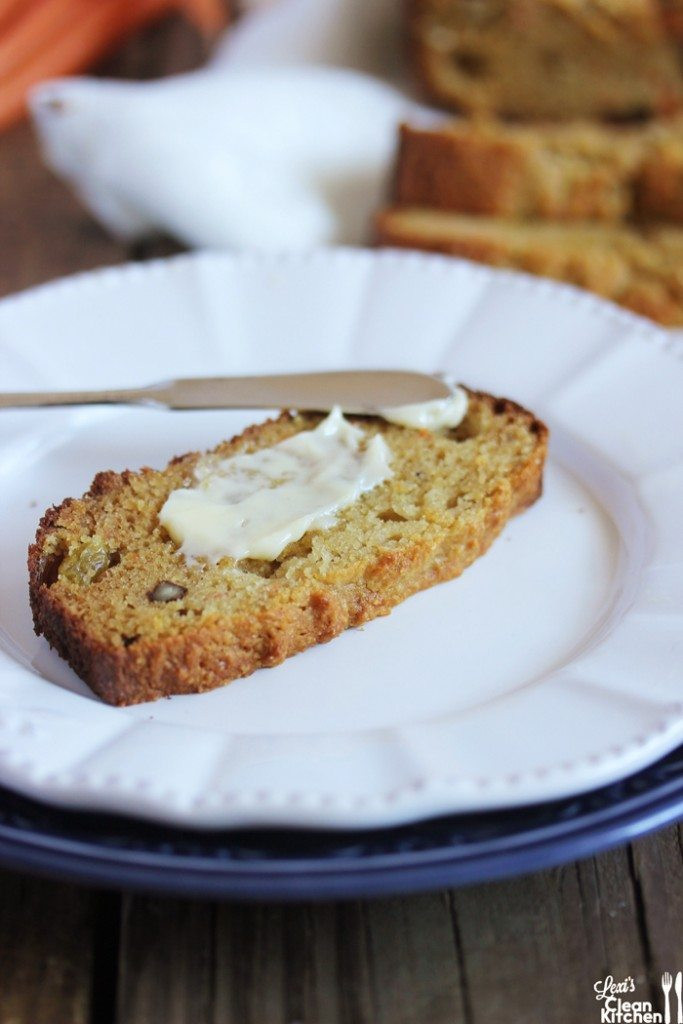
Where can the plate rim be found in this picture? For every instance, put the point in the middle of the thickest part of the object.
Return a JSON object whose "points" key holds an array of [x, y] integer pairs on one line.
{"points": [[109, 275]]}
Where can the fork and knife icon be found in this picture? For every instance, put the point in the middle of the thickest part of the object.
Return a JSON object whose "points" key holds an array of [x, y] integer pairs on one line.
{"points": [[667, 982]]}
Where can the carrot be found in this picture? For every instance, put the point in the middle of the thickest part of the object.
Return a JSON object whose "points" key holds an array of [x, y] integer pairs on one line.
{"points": [[59, 37], [89, 36], [10, 9], [42, 24]]}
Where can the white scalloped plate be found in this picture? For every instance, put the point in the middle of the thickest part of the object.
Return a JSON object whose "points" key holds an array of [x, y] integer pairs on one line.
{"points": [[553, 665]]}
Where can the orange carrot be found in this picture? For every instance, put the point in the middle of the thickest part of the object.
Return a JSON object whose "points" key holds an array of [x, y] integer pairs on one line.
{"points": [[10, 9], [59, 37], [42, 25], [97, 28]]}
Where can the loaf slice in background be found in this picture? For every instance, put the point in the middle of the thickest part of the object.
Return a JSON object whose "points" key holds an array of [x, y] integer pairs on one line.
{"points": [[641, 269], [560, 59], [112, 595], [556, 171]]}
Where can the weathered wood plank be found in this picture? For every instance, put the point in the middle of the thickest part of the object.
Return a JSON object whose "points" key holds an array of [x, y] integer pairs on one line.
{"points": [[166, 962], [657, 870], [388, 961], [517, 941], [537, 945], [524, 950], [44, 231], [609, 910], [532, 948], [47, 951]]}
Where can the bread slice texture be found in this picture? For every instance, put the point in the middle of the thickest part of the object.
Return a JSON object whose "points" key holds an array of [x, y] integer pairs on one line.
{"points": [[556, 171], [535, 59], [640, 268], [99, 563]]}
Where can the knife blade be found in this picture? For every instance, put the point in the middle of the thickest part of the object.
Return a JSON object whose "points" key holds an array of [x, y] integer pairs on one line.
{"points": [[356, 391]]}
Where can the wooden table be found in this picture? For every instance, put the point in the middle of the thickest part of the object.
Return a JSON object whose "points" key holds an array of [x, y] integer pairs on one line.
{"points": [[524, 952]]}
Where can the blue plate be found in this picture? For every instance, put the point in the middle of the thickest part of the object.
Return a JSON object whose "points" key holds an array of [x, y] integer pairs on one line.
{"points": [[288, 865]]}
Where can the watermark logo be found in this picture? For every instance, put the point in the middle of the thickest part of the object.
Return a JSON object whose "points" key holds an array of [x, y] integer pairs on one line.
{"points": [[619, 1007]]}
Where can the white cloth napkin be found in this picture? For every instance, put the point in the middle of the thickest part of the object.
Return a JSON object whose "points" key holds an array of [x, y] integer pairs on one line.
{"points": [[273, 146]]}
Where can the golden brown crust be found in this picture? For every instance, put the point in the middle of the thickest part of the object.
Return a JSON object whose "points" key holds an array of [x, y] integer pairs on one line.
{"points": [[639, 269], [220, 647], [191, 662], [462, 169]]}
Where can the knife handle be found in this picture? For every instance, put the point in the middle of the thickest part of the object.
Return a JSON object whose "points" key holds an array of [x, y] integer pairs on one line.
{"points": [[32, 399]]}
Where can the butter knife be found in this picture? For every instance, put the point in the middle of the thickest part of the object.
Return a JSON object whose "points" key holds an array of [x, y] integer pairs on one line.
{"points": [[356, 391], [678, 986]]}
